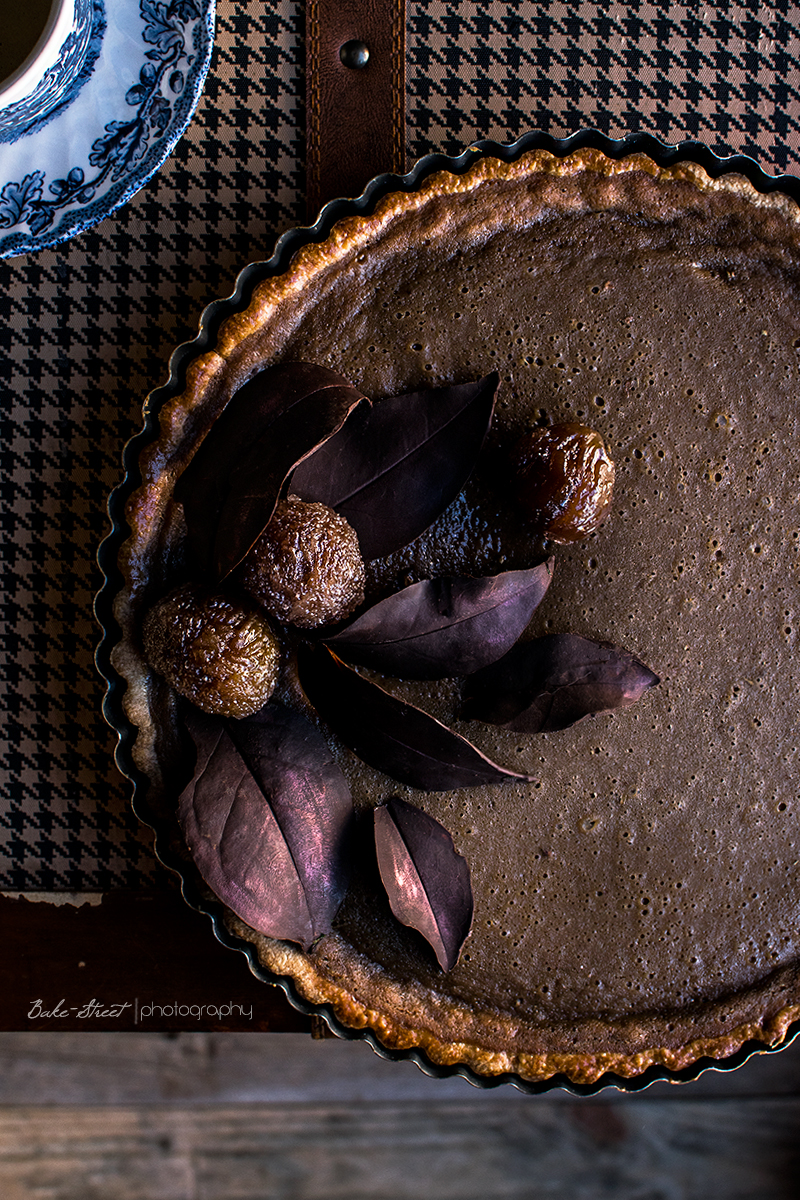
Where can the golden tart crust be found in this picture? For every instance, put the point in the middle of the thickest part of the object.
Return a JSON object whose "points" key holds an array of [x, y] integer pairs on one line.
{"points": [[638, 905]]}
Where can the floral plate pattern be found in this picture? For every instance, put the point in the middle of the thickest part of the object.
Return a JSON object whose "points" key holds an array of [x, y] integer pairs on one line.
{"points": [[69, 171]]}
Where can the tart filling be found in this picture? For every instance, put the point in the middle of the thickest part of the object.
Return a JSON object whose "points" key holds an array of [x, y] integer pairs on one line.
{"points": [[638, 902]]}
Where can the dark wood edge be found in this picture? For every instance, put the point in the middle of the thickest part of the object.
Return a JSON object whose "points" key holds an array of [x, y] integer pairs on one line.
{"points": [[132, 961]]}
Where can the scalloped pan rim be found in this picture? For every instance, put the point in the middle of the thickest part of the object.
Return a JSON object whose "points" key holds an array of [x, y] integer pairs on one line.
{"points": [[663, 155]]}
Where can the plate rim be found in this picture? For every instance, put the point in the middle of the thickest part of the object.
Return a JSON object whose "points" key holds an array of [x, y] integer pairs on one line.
{"points": [[80, 219]]}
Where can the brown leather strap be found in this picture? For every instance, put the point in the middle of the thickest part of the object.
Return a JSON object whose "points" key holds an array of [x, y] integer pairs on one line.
{"points": [[355, 115]]}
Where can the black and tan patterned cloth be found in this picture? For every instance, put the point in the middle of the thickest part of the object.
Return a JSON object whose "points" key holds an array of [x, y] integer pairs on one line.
{"points": [[87, 329]]}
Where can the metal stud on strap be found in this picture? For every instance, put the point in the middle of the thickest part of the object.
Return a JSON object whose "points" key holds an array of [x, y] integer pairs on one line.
{"points": [[355, 95]]}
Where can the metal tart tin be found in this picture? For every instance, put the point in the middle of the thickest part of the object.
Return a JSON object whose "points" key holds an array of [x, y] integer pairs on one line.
{"points": [[168, 842]]}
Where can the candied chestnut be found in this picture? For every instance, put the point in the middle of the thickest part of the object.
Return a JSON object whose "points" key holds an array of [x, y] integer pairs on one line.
{"points": [[565, 480], [306, 568], [216, 651]]}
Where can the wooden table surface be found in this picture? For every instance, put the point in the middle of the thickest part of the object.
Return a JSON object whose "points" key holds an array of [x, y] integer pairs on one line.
{"points": [[234, 1116]]}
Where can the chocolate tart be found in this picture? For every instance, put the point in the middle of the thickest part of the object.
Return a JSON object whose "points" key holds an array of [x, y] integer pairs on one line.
{"points": [[636, 909]]}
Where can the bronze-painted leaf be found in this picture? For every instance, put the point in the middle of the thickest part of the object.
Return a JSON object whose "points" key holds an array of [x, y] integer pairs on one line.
{"points": [[395, 737], [268, 819], [231, 486], [426, 880], [395, 467], [552, 682], [443, 627]]}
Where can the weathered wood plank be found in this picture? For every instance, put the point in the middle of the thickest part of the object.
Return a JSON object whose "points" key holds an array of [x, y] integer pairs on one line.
{"points": [[201, 1068], [653, 1150]]}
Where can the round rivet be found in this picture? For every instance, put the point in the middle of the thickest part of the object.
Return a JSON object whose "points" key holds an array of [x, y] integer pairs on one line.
{"points": [[354, 54]]}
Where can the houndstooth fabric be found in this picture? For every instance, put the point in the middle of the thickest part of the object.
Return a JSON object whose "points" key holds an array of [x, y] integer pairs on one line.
{"points": [[86, 330], [724, 73]]}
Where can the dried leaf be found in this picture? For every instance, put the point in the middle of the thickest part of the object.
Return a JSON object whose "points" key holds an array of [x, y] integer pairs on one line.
{"points": [[552, 682], [395, 467], [443, 627], [267, 818], [230, 488], [426, 880], [397, 738]]}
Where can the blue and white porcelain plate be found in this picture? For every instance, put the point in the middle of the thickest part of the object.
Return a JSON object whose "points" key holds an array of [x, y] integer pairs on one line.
{"points": [[141, 81]]}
